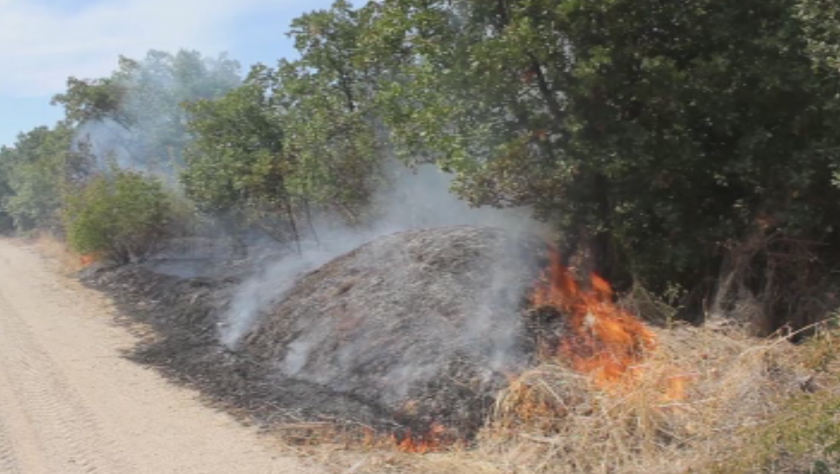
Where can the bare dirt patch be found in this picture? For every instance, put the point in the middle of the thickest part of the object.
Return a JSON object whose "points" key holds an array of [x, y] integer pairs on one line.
{"points": [[70, 403]]}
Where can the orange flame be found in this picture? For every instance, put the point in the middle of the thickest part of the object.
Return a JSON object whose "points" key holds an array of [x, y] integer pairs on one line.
{"points": [[429, 442], [89, 259], [602, 339]]}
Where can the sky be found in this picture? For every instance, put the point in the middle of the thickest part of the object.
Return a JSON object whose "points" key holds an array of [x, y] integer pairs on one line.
{"points": [[43, 42]]}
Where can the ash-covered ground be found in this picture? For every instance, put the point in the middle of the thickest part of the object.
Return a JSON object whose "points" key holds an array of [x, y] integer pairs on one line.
{"points": [[412, 329]]}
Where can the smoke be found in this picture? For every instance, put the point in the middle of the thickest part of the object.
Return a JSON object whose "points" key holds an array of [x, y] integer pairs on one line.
{"points": [[431, 314], [273, 281], [113, 144], [416, 199], [146, 132], [422, 198]]}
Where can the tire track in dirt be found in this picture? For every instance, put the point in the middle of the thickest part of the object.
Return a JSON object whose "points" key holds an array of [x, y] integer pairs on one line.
{"points": [[8, 460], [70, 403], [67, 439]]}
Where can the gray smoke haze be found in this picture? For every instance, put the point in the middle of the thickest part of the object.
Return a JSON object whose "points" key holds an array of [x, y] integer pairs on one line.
{"points": [[146, 132], [111, 144], [417, 199], [432, 314]]}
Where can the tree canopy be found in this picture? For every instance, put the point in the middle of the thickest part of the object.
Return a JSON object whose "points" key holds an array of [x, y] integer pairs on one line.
{"points": [[135, 115], [653, 133], [665, 142], [34, 174]]}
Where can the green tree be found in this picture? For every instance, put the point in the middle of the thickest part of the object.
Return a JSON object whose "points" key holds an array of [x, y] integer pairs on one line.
{"points": [[236, 166], [135, 114], [6, 157], [300, 136], [37, 170], [661, 133], [326, 104], [821, 20]]}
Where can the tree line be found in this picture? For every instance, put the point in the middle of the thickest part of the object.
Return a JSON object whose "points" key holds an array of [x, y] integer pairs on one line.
{"points": [[690, 147]]}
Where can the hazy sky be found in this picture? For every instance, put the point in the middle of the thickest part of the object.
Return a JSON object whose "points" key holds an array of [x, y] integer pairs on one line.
{"points": [[43, 42]]}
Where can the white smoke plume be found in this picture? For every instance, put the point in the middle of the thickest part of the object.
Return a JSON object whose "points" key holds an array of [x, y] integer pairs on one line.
{"points": [[417, 199], [147, 131]]}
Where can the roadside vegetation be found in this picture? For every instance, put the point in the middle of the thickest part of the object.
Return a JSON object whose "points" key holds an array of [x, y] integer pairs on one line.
{"points": [[119, 216], [687, 152]]}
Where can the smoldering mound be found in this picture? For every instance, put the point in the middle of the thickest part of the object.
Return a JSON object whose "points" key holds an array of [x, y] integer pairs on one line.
{"points": [[423, 323], [408, 330]]}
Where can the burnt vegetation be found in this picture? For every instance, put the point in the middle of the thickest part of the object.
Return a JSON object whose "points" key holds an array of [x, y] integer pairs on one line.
{"points": [[396, 336]]}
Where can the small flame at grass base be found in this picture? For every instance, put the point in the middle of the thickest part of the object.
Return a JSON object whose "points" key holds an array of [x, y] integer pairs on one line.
{"points": [[431, 441]]}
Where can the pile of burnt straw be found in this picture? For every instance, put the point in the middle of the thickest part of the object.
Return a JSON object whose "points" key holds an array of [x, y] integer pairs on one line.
{"points": [[413, 331]]}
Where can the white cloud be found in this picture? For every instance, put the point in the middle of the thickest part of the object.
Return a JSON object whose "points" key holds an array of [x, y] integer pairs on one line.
{"points": [[41, 45]]}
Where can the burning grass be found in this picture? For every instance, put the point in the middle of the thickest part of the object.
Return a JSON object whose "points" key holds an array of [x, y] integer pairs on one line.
{"points": [[612, 395], [689, 405], [598, 337], [745, 408]]}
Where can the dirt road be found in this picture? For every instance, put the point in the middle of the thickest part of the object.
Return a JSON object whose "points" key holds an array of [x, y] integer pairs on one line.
{"points": [[70, 404]]}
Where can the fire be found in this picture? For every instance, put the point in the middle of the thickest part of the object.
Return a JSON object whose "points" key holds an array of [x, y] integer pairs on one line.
{"points": [[601, 339], [89, 259], [431, 441]]}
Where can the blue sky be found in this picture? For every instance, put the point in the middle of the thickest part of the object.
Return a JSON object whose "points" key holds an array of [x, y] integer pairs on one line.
{"points": [[43, 42]]}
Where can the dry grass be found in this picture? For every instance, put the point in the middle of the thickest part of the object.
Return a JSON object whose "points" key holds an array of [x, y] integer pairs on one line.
{"points": [[553, 420], [57, 250]]}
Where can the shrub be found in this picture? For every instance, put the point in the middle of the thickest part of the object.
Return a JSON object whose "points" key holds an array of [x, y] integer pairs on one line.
{"points": [[123, 216]]}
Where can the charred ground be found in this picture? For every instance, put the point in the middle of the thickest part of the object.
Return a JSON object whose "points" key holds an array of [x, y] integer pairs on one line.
{"points": [[412, 330]]}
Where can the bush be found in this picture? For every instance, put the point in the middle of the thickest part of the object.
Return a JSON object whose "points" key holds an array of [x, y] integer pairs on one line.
{"points": [[123, 216]]}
